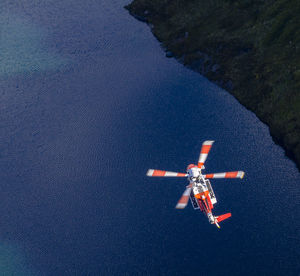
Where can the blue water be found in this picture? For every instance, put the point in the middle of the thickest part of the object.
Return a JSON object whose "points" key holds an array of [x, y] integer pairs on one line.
{"points": [[88, 103]]}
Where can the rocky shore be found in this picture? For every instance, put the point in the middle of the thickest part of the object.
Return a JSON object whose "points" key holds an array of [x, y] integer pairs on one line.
{"points": [[250, 48]]}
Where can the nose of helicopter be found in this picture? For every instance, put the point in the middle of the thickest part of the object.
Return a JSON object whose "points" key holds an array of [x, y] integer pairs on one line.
{"points": [[191, 166]]}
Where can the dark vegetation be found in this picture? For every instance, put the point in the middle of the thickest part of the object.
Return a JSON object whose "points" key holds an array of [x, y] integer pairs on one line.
{"points": [[249, 47]]}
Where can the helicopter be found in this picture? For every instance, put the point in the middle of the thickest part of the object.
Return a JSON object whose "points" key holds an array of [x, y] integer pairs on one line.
{"points": [[199, 190]]}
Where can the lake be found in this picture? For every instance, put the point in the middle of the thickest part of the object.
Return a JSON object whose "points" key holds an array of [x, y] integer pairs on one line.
{"points": [[89, 102]]}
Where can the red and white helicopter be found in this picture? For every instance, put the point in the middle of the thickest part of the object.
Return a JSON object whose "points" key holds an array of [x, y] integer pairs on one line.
{"points": [[199, 190]]}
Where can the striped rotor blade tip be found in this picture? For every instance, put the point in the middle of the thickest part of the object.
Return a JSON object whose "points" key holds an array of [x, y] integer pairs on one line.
{"points": [[183, 201], [237, 174], [160, 173], [206, 146]]}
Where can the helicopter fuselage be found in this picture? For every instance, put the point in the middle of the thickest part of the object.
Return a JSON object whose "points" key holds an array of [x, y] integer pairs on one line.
{"points": [[202, 195]]}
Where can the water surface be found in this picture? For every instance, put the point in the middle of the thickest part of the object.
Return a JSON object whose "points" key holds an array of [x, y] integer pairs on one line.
{"points": [[88, 103]]}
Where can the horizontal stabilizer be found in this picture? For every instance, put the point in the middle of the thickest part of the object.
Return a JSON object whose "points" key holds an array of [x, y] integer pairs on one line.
{"points": [[165, 173], [223, 217]]}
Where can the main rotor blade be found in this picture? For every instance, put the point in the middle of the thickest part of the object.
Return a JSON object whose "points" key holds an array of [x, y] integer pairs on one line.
{"points": [[165, 173], [206, 146], [238, 174], [183, 201]]}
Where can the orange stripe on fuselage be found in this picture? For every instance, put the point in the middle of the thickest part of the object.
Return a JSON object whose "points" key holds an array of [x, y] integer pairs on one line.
{"points": [[158, 173], [209, 175], [200, 205], [206, 205], [202, 194], [211, 206], [231, 174], [197, 196]]}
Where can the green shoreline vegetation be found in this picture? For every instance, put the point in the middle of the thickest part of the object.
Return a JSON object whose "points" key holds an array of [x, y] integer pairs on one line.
{"points": [[249, 47]]}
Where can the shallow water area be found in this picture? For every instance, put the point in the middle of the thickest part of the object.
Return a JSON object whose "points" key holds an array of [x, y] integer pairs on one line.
{"points": [[96, 104]]}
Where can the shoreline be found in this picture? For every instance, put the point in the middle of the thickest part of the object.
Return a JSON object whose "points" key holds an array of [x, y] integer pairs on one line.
{"points": [[236, 64]]}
